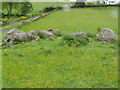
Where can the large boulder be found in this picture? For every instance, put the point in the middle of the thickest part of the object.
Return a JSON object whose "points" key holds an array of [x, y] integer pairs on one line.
{"points": [[25, 36], [106, 35], [47, 34], [17, 36], [10, 34], [80, 34]]}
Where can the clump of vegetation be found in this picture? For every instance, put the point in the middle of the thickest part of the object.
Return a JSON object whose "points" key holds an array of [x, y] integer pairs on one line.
{"points": [[58, 34], [73, 41], [48, 9], [90, 4], [41, 35], [99, 29], [91, 35], [79, 4]]}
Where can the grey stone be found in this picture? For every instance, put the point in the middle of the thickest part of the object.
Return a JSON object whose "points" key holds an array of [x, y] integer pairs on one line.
{"points": [[47, 34], [25, 36], [80, 34], [10, 34], [17, 36], [106, 35]]}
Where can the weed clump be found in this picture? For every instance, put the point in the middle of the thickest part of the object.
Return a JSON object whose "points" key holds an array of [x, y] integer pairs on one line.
{"points": [[99, 29], [73, 41], [91, 35]]}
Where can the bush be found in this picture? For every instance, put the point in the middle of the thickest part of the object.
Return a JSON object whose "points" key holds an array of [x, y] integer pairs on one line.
{"points": [[73, 41], [48, 9], [92, 35], [90, 4], [58, 34], [41, 35], [79, 4], [100, 4], [5, 20]]}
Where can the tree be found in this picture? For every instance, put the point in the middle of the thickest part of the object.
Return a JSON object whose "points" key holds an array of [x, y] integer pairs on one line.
{"points": [[25, 7], [9, 7]]}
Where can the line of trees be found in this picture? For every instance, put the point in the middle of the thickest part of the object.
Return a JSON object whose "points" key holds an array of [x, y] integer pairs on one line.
{"points": [[83, 4], [22, 7]]}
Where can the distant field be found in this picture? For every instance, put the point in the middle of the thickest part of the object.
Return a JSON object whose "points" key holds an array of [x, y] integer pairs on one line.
{"points": [[38, 6], [75, 20], [46, 63]]}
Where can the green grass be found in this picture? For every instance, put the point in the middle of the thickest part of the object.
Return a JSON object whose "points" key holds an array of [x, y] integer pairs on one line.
{"points": [[47, 64], [75, 21]]}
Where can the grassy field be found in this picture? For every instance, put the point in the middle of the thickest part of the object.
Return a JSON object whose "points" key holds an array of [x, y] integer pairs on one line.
{"points": [[38, 6], [75, 20], [48, 64]]}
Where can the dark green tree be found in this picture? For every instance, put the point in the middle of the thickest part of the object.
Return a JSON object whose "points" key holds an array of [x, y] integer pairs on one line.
{"points": [[22, 7], [25, 7], [9, 6]]}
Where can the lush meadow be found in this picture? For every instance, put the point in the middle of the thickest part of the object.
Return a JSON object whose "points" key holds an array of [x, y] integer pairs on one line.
{"points": [[47, 63]]}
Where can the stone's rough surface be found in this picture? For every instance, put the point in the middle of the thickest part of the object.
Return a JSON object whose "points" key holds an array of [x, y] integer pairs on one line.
{"points": [[106, 35], [11, 34], [16, 36], [80, 34], [25, 36], [47, 34]]}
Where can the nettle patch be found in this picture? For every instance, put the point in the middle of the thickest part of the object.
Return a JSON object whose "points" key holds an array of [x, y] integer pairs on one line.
{"points": [[73, 41]]}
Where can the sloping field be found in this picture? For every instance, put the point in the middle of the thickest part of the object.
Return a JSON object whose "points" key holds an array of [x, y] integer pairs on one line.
{"points": [[46, 63], [85, 20]]}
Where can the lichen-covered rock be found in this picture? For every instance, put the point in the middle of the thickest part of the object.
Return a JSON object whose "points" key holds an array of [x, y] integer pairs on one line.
{"points": [[10, 34], [80, 34], [17, 36], [47, 34], [106, 35], [26, 36]]}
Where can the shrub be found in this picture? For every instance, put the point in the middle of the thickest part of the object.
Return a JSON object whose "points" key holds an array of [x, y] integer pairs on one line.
{"points": [[73, 41], [92, 35], [58, 34], [100, 4], [5, 20], [48, 9], [90, 4], [41, 35], [79, 4]]}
